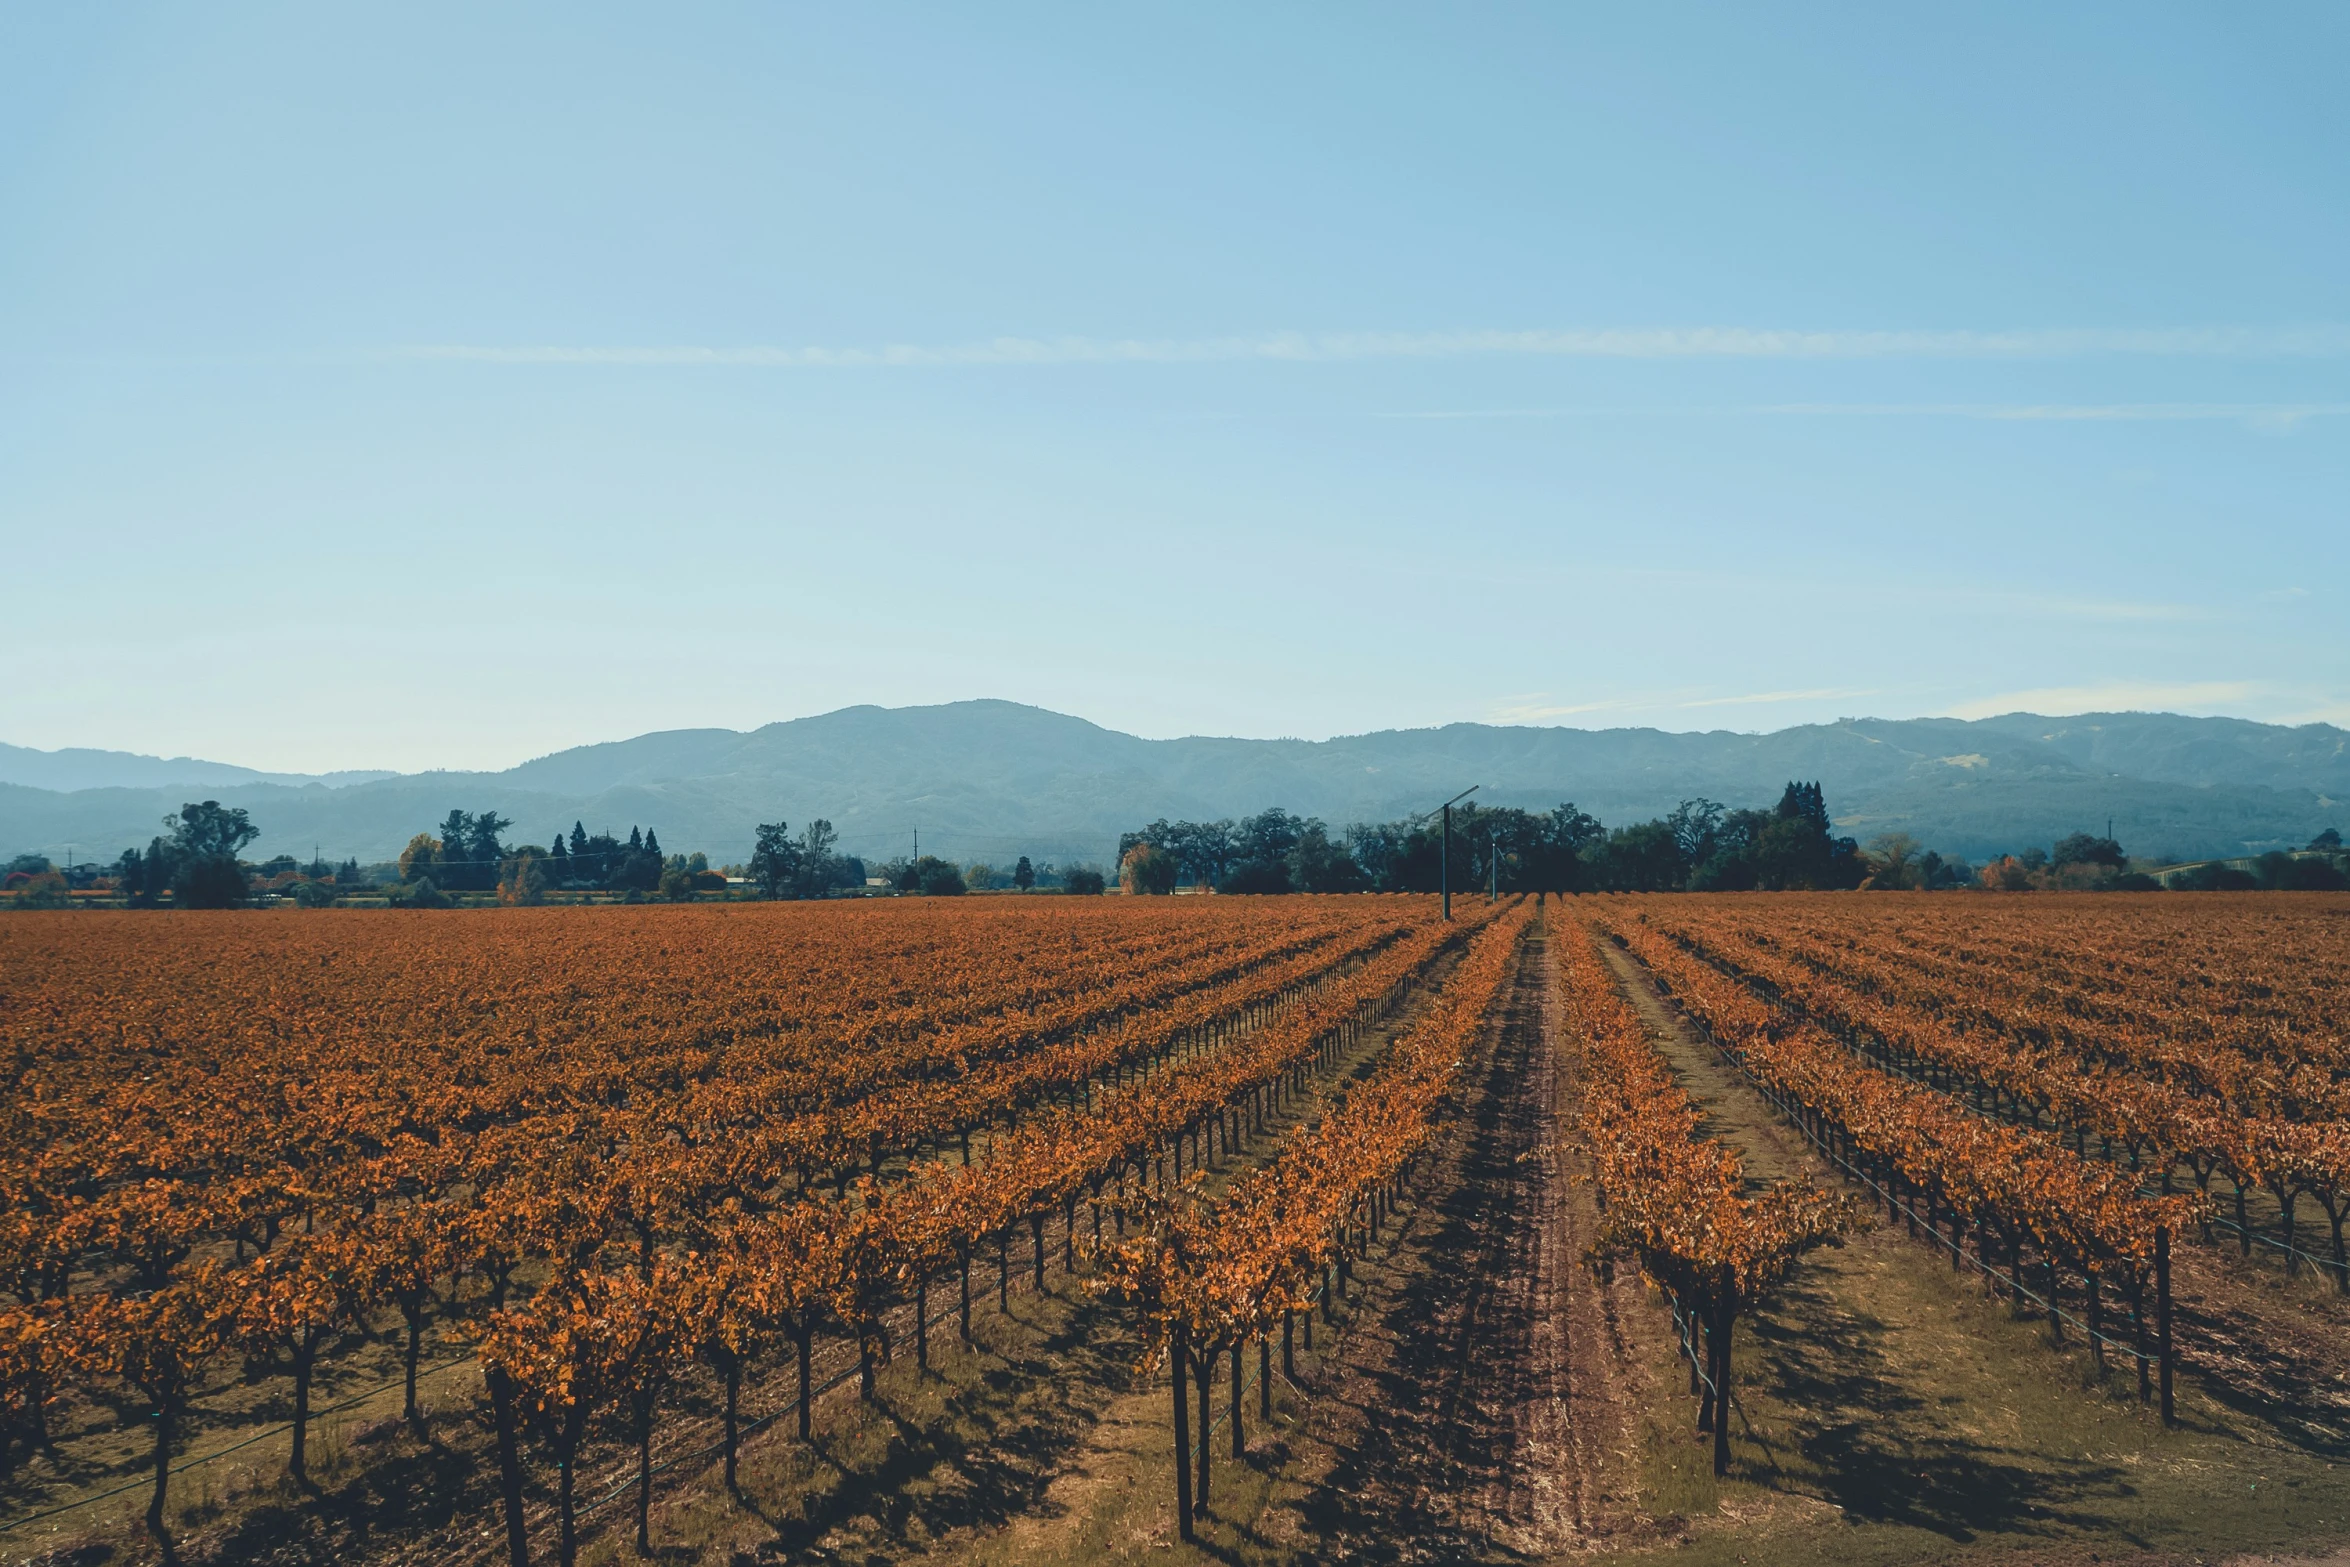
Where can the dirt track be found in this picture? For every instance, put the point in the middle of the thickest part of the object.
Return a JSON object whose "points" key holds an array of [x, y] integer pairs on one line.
{"points": [[1479, 1406]]}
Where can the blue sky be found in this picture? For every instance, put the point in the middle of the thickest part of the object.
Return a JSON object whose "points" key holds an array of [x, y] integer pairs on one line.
{"points": [[441, 389]]}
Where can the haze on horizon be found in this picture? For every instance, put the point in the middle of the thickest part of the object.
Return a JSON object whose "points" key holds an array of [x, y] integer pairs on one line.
{"points": [[443, 390]]}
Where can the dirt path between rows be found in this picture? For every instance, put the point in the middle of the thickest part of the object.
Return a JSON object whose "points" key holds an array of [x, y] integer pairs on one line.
{"points": [[1736, 1113], [1482, 1409]]}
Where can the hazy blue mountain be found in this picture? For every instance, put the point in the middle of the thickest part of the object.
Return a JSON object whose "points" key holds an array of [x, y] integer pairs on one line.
{"points": [[79, 768], [995, 779]]}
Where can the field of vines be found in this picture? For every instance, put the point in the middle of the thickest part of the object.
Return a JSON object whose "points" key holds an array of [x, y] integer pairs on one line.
{"points": [[598, 1157], [1625, 1221]]}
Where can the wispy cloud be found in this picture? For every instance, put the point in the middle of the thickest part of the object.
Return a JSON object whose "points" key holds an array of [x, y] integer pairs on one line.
{"points": [[2119, 696], [2322, 341], [1535, 710], [2273, 416], [2061, 608], [2263, 416], [1763, 698]]}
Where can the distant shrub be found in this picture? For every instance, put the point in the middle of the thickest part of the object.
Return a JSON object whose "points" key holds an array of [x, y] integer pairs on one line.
{"points": [[1084, 883], [2214, 878], [418, 894]]}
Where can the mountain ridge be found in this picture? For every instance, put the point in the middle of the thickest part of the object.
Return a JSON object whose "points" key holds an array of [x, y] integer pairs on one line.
{"points": [[992, 778]]}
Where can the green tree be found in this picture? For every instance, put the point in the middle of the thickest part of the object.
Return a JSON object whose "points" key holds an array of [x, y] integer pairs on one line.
{"points": [[483, 848], [2080, 848], [820, 869], [455, 837], [775, 860], [1640, 858], [1024, 875], [1893, 861], [1317, 864], [522, 883], [205, 841], [421, 858], [938, 878]]}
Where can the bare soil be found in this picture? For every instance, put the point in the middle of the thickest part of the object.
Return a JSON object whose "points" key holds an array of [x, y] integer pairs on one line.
{"points": [[1481, 1408]]}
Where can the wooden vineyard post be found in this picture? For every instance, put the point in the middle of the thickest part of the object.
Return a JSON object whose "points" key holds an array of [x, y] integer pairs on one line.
{"points": [[2162, 1315], [1177, 1354], [1264, 1376]]}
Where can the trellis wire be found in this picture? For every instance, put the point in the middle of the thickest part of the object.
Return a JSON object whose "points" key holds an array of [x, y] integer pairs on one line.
{"points": [[1957, 1250]]}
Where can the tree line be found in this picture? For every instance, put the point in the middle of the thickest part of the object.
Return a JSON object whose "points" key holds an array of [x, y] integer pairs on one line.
{"points": [[1701, 846]]}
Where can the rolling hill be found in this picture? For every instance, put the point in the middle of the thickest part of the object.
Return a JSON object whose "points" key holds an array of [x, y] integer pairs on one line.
{"points": [[990, 779]]}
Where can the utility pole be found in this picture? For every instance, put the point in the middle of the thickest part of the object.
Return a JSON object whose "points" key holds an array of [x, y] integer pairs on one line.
{"points": [[1493, 866], [1444, 854]]}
